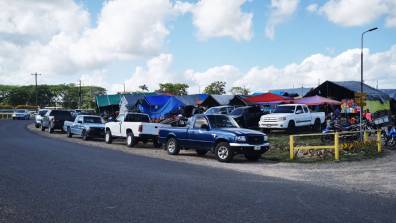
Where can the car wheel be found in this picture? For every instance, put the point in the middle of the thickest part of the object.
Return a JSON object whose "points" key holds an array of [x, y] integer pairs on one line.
{"points": [[223, 152], [108, 137], [201, 152], [84, 135], [156, 142], [291, 127], [172, 147], [252, 156], [69, 134], [130, 140]]}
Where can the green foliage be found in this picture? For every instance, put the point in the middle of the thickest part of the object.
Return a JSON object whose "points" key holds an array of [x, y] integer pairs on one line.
{"points": [[239, 91], [174, 89], [65, 95], [217, 87], [144, 87]]}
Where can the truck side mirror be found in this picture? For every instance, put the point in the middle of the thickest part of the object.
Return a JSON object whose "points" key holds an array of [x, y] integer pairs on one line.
{"points": [[205, 126]]}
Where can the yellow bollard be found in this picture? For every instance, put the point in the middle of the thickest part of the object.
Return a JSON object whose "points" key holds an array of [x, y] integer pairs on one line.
{"points": [[379, 141], [337, 146], [365, 137], [291, 143]]}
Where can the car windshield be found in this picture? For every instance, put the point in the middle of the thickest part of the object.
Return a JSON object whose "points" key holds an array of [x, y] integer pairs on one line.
{"points": [[211, 111], [222, 121], [20, 111], [137, 118], [42, 112], [284, 109], [237, 111], [93, 120]]}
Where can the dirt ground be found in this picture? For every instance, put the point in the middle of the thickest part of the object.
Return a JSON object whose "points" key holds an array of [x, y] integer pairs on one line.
{"points": [[372, 176]]}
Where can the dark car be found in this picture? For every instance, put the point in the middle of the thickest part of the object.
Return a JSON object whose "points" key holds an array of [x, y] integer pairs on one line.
{"points": [[247, 116], [54, 120], [217, 133]]}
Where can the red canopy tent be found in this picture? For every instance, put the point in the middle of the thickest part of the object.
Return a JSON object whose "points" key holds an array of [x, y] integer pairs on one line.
{"points": [[316, 100], [267, 98]]}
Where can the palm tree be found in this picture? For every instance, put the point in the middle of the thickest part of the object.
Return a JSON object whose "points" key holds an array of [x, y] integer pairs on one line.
{"points": [[144, 87]]}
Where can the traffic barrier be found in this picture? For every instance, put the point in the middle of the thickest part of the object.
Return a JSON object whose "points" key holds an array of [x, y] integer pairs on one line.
{"points": [[5, 115], [337, 146]]}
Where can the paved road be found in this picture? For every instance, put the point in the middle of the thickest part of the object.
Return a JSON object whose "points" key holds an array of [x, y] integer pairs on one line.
{"points": [[47, 180]]}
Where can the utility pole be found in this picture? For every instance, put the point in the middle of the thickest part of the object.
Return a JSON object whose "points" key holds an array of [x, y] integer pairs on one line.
{"points": [[124, 87], [35, 79], [80, 95]]}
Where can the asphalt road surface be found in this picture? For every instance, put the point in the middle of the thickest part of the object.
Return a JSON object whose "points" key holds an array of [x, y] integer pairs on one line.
{"points": [[47, 180]]}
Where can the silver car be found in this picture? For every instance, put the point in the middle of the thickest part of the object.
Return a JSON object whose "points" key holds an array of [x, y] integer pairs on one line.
{"points": [[39, 117], [21, 114]]}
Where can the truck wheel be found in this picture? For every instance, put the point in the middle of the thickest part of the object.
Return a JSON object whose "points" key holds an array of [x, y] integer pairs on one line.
{"points": [[108, 137], [37, 125], [172, 147], [252, 156], [317, 126], [223, 152], [156, 143], [69, 134], [84, 135], [130, 140], [291, 127], [42, 128], [201, 152]]}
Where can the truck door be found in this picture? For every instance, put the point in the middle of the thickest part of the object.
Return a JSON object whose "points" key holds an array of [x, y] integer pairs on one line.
{"points": [[307, 116], [77, 126], [200, 135]]}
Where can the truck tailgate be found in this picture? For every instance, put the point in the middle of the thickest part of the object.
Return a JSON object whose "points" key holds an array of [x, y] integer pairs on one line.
{"points": [[151, 128]]}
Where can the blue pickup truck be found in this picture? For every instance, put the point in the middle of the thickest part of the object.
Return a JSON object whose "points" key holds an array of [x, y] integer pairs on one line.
{"points": [[217, 133], [86, 126]]}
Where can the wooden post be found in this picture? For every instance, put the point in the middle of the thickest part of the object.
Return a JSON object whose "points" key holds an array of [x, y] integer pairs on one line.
{"points": [[291, 143], [337, 146]]}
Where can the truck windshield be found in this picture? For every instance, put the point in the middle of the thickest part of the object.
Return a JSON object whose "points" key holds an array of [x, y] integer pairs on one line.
{"points": [[93, 120], [42, 112], [284, 109], [137, 118], [222, 121], [212, 111], [237, 111]]}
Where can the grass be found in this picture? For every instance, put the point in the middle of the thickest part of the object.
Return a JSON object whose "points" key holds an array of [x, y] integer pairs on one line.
{"points": [[279, 150]]}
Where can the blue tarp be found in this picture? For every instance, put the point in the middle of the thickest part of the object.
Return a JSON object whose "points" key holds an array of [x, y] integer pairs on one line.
{"points": [[160, 106]]}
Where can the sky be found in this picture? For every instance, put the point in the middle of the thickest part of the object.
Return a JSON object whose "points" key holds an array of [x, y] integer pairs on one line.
{"points": [[257, 44]]}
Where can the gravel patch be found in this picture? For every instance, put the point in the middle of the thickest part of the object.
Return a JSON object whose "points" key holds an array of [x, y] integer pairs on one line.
{"points": [[377, 176]]}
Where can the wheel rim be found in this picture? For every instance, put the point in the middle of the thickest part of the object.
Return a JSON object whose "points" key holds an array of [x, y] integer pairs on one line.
{"points": [[222, 152], [129, 140], [171, 146], [107, 137]]}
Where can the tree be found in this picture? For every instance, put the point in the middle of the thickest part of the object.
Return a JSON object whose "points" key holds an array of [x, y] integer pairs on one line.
{"points": [[144, 87], [217, 87], [239, 91], [175, 89]]}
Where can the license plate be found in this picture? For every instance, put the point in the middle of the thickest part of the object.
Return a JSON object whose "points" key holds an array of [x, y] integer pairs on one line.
{"points": [[257, 147]]}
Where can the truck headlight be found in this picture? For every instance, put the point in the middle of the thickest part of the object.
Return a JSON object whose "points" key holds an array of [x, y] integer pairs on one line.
{"points": [[265, 138], [282, 119], [240, 138]]}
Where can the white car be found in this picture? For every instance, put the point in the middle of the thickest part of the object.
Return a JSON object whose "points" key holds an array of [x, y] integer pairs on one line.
{"points": [[290, 116], [133, 127], [21, 114], [39, 117]]}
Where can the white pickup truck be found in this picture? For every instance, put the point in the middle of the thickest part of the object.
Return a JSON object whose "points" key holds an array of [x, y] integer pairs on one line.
{"points": [[290, 116], [133, 127]]}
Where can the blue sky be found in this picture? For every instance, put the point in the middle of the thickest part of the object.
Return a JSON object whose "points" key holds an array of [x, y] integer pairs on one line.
{"points": [[197, 47]]}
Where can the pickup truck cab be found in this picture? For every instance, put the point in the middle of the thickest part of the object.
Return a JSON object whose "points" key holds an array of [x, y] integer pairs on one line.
{"points": [[133, 127], [216, 133], [86, 126], [290, 116]]}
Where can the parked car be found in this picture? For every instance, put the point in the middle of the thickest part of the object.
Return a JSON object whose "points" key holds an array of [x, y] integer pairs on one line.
{"points": [[290, 116], [21, 114], [134, 127], [86, 126], [247, 116], [221, 110], [219, 134], [54, 120], [39, 117]]}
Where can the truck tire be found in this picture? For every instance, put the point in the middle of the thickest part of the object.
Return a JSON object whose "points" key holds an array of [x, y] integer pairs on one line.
{"points": [[223, 152], [84, 135], [69, 134], [156, 143], [130, 140], [42, 127], [317, 127], [201, 152], [252, 156], [108, 137], [37, 125], [291, 127], [171, 146]]}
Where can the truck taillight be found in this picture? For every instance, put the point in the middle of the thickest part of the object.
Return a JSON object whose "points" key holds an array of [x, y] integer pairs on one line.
{"points": [[140, 128]]}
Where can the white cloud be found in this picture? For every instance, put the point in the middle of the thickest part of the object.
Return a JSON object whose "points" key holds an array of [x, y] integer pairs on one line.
{"points": [[281, 10], [312, 7], [358, 13], [220, 18], [55, 37]]}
